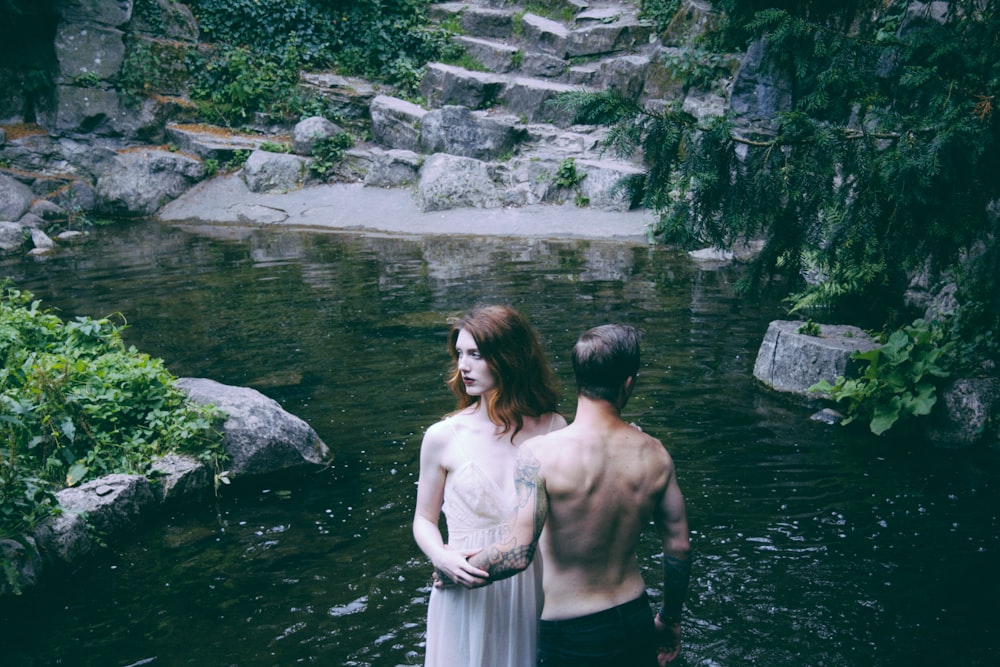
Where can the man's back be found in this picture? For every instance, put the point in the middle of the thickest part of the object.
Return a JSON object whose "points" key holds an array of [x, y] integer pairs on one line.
{"points": [[604, 479]]}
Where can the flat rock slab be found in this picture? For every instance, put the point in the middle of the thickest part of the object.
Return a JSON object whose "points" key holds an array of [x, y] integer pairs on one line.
{"points": [[226, 200], [789, 361]]}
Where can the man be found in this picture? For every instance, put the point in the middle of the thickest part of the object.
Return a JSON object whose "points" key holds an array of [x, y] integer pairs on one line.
{"points": [[594, 486]]}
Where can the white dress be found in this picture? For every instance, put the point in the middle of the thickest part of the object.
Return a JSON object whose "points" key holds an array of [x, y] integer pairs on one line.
{"points": [[492, 626]]}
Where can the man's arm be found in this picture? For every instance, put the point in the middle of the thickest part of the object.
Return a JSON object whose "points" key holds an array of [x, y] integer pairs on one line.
{"points": [[507, 558], [671, 522]]}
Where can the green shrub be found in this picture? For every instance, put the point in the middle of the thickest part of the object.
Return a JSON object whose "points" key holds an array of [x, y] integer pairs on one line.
{"points": [[76, 404], [234, 83], [275, 147], [897, 380], [328, 152]]}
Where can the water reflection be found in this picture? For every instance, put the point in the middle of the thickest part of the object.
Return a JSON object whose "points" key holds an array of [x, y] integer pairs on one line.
{"points": [[815, 546]]}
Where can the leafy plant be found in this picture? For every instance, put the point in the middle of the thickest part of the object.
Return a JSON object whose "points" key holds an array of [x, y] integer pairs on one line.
{"points": [[211, 167], [328, 152], [699, 68], [810, 328], [566, 175], [87, 80], [76, 403], [897, 380], [659, 12], [238, 159], [275, 147]]}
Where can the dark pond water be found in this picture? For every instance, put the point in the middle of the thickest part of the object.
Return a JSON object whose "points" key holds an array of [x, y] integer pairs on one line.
{"points": [[814, 546]]}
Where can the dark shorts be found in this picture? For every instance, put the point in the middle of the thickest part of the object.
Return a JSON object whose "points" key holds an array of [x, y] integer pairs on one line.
{"points": [[623, 636]]}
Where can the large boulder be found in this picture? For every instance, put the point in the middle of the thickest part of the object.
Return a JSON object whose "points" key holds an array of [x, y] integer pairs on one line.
{"points": [[140, 181], [392, 168], [452, 181], [260, 436], [964, 412], [790, 361], [309, 131], [275, 172], [88, 49], [110, 503], [459, 131], [396, 123]]}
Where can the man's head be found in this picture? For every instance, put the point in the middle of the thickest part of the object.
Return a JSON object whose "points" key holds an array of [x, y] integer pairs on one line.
{"points": [[603, 359]]}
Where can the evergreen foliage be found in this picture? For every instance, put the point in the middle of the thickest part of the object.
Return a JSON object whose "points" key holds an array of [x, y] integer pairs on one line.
{"points": [[887, 162]]}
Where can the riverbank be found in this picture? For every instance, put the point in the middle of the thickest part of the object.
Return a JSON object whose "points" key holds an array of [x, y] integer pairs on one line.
{"points": [[226, 200]]}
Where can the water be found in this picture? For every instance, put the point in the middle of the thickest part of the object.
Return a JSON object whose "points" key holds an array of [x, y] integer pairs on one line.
{"points": [[815, 546]]}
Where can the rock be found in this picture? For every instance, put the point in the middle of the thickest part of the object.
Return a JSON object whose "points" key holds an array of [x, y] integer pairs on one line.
{"points": [[139, 182], [535, 100], [22, 559], [446, 84], [396, 123], [759, 92], [963, 413], [459, 131], [394, 168], [792, 362], [85, 49], [77, 196], [546, 35], [602, 183], [827, 416], [108, 12], [164, 18], [101, 112], [487, 22], [12, 237], [260, 436], [64, 539], [15, 198], [451, 181], [176, 476], [274, 172], [48, 210], [621, 35], [41, 241], [31, 222], [494, 56], [310, 130], [110, 503]]}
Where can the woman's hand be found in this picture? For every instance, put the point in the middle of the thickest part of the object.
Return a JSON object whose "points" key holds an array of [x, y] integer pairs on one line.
{"points": [[452, 567]]}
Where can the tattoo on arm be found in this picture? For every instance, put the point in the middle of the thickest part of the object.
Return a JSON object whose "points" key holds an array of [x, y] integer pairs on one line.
{"points": [[676, 575], [512, 556]]}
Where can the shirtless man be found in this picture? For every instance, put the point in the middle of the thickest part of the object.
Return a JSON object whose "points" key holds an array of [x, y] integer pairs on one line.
{"points": [[594, 486]]}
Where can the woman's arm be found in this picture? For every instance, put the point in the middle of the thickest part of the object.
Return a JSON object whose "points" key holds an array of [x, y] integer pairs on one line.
{"points": [[427, 514]]}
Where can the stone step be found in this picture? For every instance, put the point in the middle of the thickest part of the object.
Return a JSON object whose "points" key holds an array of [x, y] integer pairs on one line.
{"points": [[213, 143], [528, 97]]}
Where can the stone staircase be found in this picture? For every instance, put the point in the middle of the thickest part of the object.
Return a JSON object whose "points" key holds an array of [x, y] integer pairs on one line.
{"points": [[488, 134], [503, 112]]}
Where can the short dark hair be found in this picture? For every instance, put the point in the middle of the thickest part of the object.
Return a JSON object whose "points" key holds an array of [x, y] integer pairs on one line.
{"points": [[603, 358]]}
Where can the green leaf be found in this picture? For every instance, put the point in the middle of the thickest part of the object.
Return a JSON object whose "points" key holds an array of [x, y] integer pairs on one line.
{"points": [[76, 472]]}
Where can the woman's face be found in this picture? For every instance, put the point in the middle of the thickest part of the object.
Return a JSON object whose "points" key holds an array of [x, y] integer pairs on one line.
{"points": [[476, 374]]}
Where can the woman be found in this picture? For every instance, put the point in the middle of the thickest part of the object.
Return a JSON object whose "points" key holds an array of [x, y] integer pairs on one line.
{"points": [[506, 394]]}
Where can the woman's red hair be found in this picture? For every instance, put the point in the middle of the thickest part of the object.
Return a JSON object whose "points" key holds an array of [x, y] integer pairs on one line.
{"points": [[525, 385]]}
